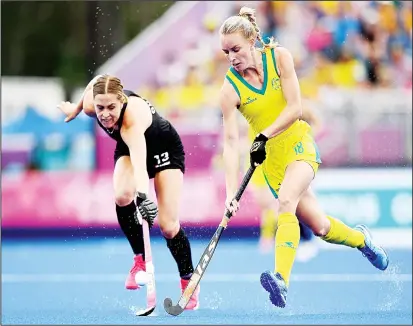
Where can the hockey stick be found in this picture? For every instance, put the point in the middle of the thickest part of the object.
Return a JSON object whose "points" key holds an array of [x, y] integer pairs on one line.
{"points": [[206, 256], [150, 286]]}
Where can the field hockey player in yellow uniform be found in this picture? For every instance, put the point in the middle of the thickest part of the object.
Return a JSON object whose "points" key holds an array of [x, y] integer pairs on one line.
{"points": [[263, 86]]}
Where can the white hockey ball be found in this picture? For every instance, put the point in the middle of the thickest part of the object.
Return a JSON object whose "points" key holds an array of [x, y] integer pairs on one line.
{"points": [[142, 278]]}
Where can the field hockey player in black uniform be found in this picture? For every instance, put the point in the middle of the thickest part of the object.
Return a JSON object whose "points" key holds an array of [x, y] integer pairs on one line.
{"points": [[147, 147]]}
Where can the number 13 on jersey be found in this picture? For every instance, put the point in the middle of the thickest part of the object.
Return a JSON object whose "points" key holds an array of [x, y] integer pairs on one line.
{"points": [[162, 159]]}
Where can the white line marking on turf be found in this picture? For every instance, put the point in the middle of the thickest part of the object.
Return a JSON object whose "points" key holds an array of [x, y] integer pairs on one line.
{"points": [[211, 278]]}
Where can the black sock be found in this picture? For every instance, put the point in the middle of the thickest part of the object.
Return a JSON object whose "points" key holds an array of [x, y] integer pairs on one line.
{"points": [[131, 228], [181, 251]]}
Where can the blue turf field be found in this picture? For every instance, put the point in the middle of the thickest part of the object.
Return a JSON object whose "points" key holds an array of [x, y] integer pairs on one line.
{"points": [[82, 282]]}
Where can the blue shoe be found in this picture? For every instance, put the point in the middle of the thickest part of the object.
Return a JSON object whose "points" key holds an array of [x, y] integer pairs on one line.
{"points": [[275, 285], [374, 253]]}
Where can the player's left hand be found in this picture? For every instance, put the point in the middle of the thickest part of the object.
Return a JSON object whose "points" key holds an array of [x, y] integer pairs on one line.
{"points": [[69, 109], [232, 205], [147, 208], [257, 151]]}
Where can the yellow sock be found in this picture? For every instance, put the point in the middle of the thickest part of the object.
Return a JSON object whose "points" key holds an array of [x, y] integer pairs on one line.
{"points": [[286, 243], [268, 224], [342, 234]]}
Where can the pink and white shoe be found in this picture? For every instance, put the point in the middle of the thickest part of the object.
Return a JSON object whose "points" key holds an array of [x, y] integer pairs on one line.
{"points": [[139, 265], [193, 303]]}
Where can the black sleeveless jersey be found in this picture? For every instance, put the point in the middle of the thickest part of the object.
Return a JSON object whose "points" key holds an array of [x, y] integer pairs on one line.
{"points": [[151, 134], [164, 148]]}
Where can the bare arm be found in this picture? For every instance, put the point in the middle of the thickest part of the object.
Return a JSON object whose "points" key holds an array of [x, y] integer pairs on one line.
{"points": [[229, 101], [137, 119], [85, 103], [291, 92]]}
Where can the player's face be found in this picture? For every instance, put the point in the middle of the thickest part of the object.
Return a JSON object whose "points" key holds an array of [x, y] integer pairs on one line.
{"points": [[107, 107], [237, 50]]}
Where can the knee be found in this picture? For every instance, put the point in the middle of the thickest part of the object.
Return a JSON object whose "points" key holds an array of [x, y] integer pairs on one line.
{"points": [[287, 204], [168, 223], [169, 229], [321, 229], [125, 197]]}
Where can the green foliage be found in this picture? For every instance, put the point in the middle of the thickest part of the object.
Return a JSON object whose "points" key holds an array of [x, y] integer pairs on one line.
{"points": [[69, 39]]}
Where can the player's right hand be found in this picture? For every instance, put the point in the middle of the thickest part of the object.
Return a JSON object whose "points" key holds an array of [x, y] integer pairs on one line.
{"points": [[69, 109], [232, 205], [147, 208]]}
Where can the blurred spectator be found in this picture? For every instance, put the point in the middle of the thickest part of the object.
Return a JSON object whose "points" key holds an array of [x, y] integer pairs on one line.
{"points": [[338, 43], [346, 26], [399, 68], [320, 38]]}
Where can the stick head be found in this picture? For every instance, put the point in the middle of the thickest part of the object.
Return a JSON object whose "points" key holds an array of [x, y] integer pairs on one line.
{"points": [[145, 312], [171, 309]]}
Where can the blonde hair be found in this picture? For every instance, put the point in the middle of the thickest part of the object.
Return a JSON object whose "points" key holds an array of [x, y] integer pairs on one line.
{"points": [[108, 84], [246, 23]]}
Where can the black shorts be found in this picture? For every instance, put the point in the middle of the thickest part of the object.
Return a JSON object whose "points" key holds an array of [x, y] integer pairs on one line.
{"points": [[163, 152]]}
